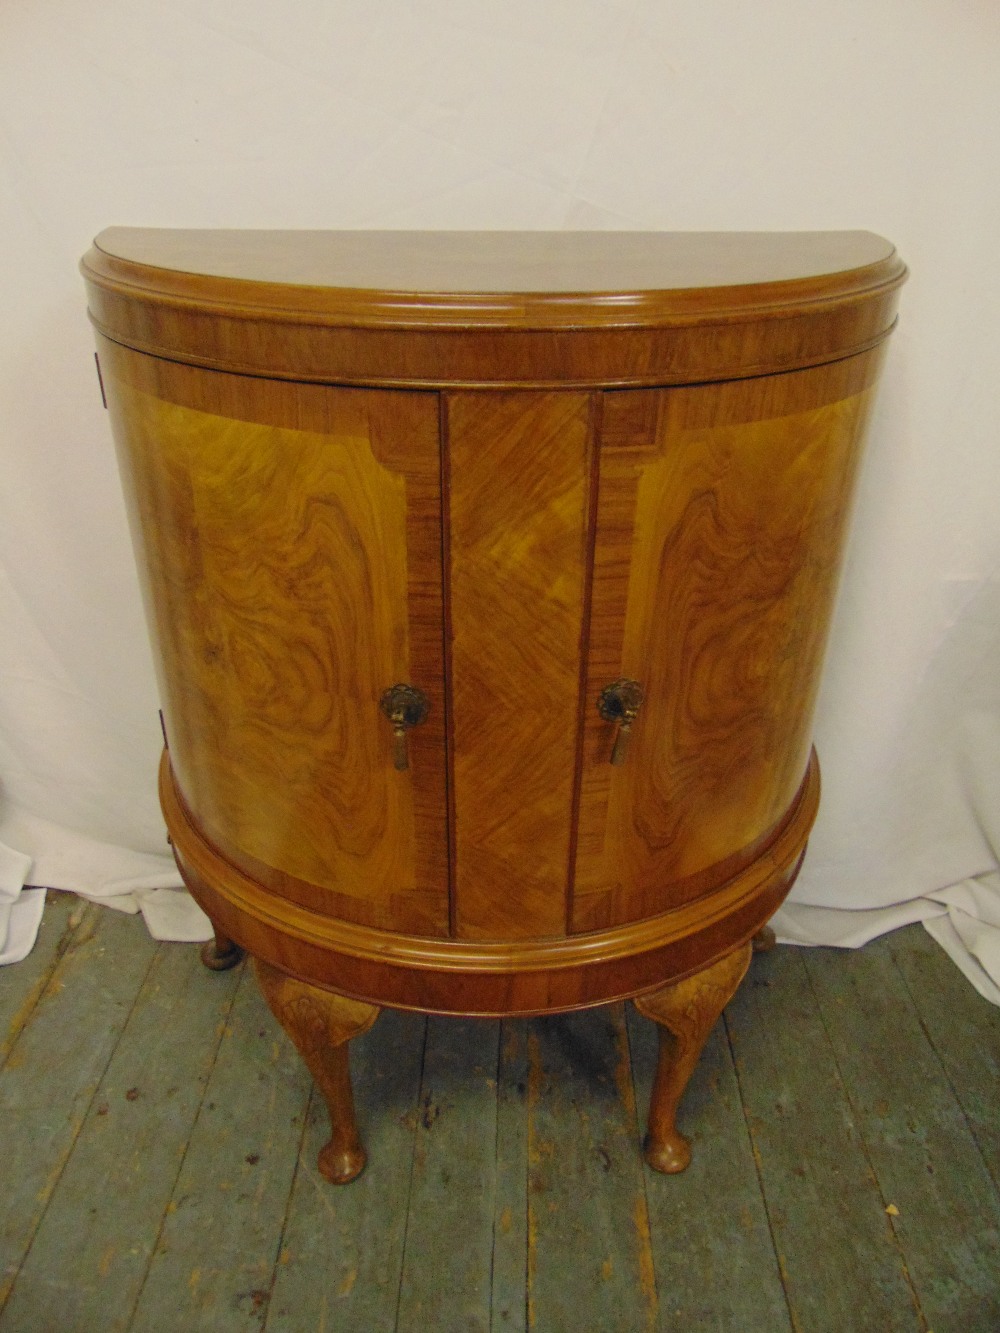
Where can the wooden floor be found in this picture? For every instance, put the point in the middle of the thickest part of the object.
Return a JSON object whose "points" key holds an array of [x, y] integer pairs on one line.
{"points": [[159, 1139]]}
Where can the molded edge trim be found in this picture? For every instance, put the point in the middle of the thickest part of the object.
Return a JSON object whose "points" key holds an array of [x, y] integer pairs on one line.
{"points": [[386, 378], [487, 959], [355, 307]]}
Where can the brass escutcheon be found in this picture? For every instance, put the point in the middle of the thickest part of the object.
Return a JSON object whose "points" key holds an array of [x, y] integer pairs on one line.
{"points": [[620, 702], [405, 706]]}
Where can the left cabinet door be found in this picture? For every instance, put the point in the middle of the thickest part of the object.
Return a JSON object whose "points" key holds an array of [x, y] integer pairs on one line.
{"points": [[288, 538]]}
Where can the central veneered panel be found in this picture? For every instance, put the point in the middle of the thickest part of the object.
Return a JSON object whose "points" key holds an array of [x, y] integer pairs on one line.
{"points": [[518, 471]]}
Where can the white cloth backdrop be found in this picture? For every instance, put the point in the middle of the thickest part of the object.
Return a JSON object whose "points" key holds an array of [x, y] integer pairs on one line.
{"points": [[565, 114]]}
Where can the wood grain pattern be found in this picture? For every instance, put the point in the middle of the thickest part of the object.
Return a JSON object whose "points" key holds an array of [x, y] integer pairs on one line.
{"points": [[472, 977], [720, 529], [423, 272], [496, 358], [518, 482], [289, 539], [655, 488], [532, 308]]}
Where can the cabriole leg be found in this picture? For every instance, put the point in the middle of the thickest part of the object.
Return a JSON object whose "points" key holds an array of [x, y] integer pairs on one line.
{"points": [[685, 1012], [764, 941], [321, 1024], [220, 953]]}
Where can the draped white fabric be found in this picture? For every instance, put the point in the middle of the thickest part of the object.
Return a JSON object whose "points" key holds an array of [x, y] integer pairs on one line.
{"points": [[513, 113]]}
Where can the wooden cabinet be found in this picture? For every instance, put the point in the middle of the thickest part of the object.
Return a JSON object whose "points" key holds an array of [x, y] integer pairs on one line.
{"points": [[587, 495]]}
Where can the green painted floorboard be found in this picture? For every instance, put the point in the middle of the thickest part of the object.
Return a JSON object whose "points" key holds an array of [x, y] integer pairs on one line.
{"points": [[446, 1283], [90, 1253], [715, 1262], [590, 1263], [54, 1069], [509, 1264], [213, 1265], [158, 1167], [840, 1261], [964, 1030], [924, 1156], [22, 984], [342, 1253]]}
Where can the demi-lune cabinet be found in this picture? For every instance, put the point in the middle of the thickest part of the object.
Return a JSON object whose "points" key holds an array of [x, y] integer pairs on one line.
{"points": [[488, 577]]}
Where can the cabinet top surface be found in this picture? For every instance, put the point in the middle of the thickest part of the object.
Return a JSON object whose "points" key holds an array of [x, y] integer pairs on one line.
{"points": [[430, 309], [546, 278], [500, 262]]}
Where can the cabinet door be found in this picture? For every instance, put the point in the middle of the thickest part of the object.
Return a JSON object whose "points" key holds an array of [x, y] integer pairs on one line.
{"points": [[289, 541], [720, 521]]}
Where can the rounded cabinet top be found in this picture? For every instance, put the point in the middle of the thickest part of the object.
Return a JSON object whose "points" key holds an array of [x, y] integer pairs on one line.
{"points": [[429, 309]]}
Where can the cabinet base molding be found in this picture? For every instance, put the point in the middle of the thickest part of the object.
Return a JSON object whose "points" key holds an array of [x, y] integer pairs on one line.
{"points": [[484, 979]]}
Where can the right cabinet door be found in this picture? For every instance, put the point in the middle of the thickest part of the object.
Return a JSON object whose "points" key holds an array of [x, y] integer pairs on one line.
{"points": [[721, 515]]}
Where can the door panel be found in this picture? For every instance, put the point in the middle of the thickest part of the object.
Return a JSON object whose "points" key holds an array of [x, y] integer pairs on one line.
{"points": [[518, 469], [720, 524], [289, 538]]}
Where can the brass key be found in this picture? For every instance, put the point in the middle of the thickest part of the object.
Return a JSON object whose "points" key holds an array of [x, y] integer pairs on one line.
{"points": [[620, 702], [405, 706]]}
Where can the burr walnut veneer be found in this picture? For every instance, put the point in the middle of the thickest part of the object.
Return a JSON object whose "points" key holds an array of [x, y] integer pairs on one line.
{"points": [[489, 576]]}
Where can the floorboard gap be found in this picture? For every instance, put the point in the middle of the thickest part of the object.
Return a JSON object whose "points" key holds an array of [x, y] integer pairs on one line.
{"points": [[182, 1157], [865, 1148], [758, 1168], [409, 1187], [946, 1073]]}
